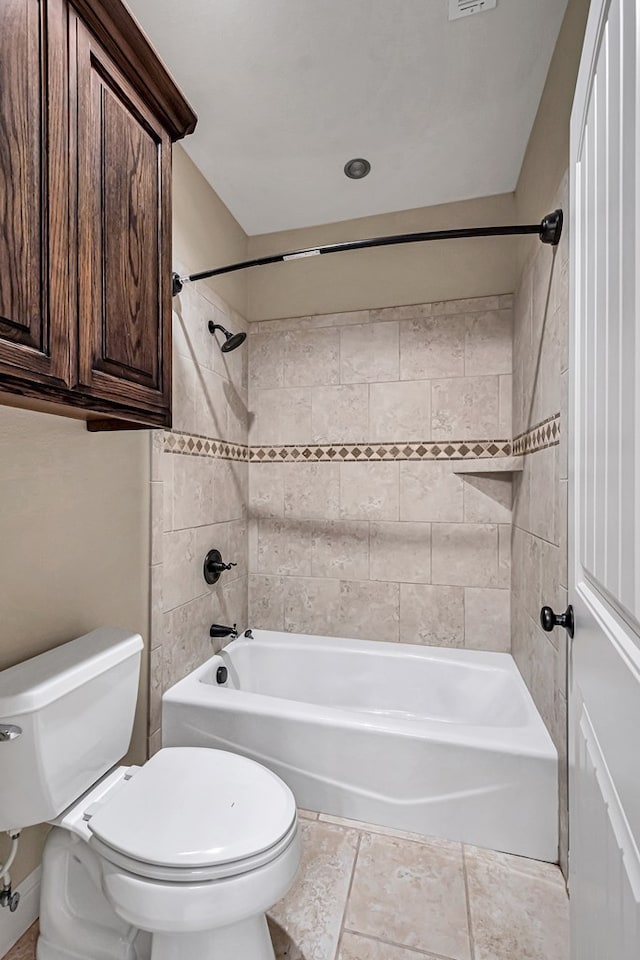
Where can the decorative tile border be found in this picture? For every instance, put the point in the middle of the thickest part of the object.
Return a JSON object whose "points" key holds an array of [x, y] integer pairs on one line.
{"points": [[454, 450], [542, 435], [193, 445]]}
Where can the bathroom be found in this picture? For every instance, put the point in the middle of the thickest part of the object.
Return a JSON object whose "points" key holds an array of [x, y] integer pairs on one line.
{"points": [[384, 465]]}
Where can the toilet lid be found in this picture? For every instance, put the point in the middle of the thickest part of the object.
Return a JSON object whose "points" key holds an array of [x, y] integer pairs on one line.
{"points": [[195, 807]]}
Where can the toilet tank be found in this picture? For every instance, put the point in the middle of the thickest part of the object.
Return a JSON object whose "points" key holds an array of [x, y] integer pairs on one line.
{"points": [[73, 708]]}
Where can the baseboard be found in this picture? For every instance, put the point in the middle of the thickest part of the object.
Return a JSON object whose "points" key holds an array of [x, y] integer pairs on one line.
{"points": [[13, 925]]}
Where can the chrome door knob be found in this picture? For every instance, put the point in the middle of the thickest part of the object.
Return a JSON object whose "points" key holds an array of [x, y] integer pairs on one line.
{"points": [[549, 619]]}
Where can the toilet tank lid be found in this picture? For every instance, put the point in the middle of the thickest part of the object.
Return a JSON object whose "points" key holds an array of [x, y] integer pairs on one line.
{"points": [[33, 684]]}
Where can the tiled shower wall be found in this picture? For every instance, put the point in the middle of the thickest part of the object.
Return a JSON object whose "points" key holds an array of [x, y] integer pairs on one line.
{"points": [[359, 526], [199, 496], [539, 541]]}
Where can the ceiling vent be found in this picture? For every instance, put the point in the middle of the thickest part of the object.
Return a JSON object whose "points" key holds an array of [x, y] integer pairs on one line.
{"points": [[466, 8]]}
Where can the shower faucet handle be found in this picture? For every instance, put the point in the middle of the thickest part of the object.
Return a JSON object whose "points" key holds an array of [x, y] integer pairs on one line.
{"points": [[214, 565]]}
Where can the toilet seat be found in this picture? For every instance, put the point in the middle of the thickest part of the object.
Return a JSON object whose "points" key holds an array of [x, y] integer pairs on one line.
{"points": [[154, 871], [194, 814]]}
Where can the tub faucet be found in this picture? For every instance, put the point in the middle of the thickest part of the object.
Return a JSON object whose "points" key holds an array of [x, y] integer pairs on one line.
{"points": [[219, 630]]}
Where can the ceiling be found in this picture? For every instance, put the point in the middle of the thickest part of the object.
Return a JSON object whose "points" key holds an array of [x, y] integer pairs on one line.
{"points": [[288, 90]]}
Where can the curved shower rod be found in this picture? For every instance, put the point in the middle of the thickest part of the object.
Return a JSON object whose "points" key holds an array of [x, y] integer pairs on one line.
{"points": [[549, 230]]}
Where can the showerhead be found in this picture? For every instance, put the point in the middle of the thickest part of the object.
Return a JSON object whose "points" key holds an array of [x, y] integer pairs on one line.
{"points": [[231, 340]]}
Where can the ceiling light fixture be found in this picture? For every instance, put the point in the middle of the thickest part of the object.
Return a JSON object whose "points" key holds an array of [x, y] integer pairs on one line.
{"points": [[357, 168]]}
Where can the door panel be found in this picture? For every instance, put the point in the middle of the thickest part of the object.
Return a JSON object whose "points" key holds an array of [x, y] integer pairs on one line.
{"points": [[604, 709], [123, 225], [33, 192]]}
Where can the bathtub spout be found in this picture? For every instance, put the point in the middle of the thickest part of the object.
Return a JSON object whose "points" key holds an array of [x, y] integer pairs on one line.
{"points": [[219, 630]]}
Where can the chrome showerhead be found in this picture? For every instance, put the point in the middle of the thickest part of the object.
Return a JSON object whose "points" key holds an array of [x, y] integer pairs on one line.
{"points": [[231, 340]]}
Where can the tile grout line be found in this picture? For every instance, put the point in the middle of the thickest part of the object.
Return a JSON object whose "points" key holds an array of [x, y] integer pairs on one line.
{"points": [[399, 946], [472, 946], [348, 897]]}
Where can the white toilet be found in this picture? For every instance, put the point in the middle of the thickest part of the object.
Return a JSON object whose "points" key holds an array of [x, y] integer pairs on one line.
{"points": [[176, 860]]}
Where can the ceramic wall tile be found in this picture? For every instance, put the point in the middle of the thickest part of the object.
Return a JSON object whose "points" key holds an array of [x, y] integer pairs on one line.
{"points": [[539, 542], [266, 602], [433, 615], [369, 491], [282, 416], [340, 414], [266, 361], [266, 490], [430, 491], [399, 412], [370, 379], [368, 610], [311, 490], [340, 548], [404, 312], [311, 357], [400, 551], [487, 619], [310, 605], [193, 485], [465, 408], [488, 342], [487, 498], [505, 406], [369, 353], [284, 547], [210, 405], [432, 347], [465, 554], [199, 500]]}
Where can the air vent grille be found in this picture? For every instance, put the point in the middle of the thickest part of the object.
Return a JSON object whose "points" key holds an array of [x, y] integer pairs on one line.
{"points": [[466, 8]]}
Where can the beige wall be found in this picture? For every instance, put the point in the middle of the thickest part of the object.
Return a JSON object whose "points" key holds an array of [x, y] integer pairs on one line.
{"points": [[416, 273], [394, 549], [547, 155], [75, 545], [205, 234]]}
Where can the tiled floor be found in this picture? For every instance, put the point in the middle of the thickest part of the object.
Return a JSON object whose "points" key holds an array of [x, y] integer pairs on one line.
{"points": [[366, 893]]}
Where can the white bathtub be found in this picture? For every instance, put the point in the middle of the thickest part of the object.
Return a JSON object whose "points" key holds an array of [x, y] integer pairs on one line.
{"points": [[442, 742]]}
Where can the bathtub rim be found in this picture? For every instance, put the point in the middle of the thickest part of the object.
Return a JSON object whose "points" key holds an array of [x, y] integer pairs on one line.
{"points": [[531, 740]]}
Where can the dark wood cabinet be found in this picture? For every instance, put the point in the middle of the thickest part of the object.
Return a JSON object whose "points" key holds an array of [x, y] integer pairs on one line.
{"points": [[87, 118], [123, 224], [33, 209]]}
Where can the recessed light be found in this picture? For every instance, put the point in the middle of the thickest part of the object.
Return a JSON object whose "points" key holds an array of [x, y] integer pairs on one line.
{"points": [[357, 168]]}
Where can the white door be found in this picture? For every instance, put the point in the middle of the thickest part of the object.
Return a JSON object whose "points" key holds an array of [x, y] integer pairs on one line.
{"points": [[604, 515]]}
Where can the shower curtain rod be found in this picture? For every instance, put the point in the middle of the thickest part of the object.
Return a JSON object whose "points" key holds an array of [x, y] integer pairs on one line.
{"points": [[549, 230]]}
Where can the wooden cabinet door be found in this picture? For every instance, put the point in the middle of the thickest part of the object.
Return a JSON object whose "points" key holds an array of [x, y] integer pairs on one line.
{"points": [[34, 333], [122, 216]]}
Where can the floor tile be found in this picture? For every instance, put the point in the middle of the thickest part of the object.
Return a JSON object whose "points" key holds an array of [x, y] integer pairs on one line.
{"points": [[390, 831], [306, 925], [355, 947], [412, 894], [519, 908], [25, 948]]}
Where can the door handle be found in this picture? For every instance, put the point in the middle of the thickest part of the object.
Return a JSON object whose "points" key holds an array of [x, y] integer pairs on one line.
{"points": [[549, 619]]}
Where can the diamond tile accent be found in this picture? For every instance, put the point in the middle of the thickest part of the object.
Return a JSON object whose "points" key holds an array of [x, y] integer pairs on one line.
{"points": [[455, 450], [197, 446], [538, 437]]}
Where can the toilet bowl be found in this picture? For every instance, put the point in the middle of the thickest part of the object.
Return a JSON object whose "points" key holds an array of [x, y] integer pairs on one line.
{"points": [[177, 859], [192, 848]]}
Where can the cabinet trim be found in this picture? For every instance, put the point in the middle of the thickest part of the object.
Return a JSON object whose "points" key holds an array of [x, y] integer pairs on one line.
{"points": [[118, 32]]}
